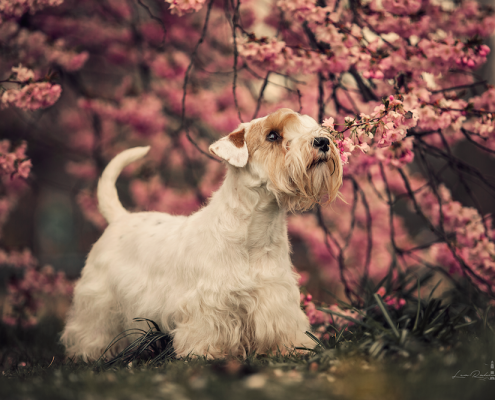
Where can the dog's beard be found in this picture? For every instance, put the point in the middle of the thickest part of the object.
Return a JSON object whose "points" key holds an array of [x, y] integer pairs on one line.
{"points": [[318, 161], [309, 177]]}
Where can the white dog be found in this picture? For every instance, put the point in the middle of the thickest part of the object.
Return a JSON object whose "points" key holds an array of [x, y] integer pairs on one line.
{"points": [[221, 280]]}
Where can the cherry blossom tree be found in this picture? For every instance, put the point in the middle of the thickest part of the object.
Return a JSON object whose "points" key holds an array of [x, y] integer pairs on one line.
{"points": [[394, 82]]}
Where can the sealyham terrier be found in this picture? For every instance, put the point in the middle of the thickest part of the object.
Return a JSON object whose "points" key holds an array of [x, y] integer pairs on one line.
{"points": [[220, 281]]}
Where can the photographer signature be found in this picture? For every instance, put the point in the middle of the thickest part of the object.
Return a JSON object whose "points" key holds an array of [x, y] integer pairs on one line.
{"points": [[475, 374]]}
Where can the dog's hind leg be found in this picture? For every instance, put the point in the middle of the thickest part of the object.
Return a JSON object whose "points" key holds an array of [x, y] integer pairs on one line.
{"points": [[93, 321]]}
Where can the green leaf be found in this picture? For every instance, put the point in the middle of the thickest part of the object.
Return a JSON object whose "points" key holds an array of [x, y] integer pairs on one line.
{"points": [[381, 304], [337, 339], [315, 339], [345, 317], [464, 325], [419, 307]]}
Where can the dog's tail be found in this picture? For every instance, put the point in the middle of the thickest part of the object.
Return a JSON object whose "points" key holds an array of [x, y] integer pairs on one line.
{"points": [[108, 199]]}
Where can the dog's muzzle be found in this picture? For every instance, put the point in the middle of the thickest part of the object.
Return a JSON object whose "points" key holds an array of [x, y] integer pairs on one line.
{"points": [[317, 161], [322, 144]]}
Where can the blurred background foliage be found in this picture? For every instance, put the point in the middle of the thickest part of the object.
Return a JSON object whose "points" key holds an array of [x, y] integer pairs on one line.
{"points": [[178, 75]]}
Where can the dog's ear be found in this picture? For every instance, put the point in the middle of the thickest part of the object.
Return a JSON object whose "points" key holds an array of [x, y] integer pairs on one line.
{"points": [[232, 148]]}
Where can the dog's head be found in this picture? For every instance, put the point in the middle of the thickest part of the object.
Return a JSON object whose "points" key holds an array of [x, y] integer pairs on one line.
{"points": [[290, 153]]}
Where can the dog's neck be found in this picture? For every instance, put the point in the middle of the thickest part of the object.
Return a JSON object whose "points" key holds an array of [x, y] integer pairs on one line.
{"points": [[246, 210]]}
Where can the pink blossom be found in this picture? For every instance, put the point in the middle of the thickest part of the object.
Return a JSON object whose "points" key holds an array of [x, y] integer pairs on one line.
{"points": [[170, 69], [14, 163], [472, 245], [265, 53], [16, 8], [32, 96], [181, 7], [328, 123], [154, 196], [398, 154], [23, 74], [25, 296], [24, 168], [143, 114], [153, 32], [389, 300], [70, 61], [401, 6]]}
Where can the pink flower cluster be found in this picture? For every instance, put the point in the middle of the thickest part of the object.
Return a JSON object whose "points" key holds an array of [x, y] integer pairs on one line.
{"points": [[14, 163], [398, 7], [463, 19], [450, 51], [265, 52], [181, 7], [16, 8], [389, 300], [32, 96], [385, 126], [34, 48], [18, 259], [153, 195], [473, 238], [276, 54], [25, 297], [22, 74], [143, 114], [398, 154], [69, 60], [175, 68], [483, 126], [321, 319]]}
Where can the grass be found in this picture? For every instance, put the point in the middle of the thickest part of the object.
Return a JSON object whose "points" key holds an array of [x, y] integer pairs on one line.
{"points": [[410, 353], [334, 374]]}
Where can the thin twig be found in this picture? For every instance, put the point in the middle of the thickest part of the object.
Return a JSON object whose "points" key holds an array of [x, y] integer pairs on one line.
{"points": [[189, 67], [260, 97], [450, 245], [369, 244], [159, 20], [340, 257], [467, 134], [321, 97], [460, 87], [234, 23]]}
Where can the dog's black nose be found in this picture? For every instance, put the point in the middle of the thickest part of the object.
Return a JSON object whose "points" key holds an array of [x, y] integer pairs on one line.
{"points": [[321, 143]]}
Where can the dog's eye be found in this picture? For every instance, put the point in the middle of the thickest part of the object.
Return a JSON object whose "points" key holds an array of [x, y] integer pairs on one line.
{"points": [[273, 136]]}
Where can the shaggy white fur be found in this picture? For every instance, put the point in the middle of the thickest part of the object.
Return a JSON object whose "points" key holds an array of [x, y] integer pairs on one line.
{"points": [[221, 280]]}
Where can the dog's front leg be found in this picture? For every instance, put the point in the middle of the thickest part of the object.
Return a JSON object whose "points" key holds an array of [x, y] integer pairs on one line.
{"points": [[206, 330], [279, 322]]}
